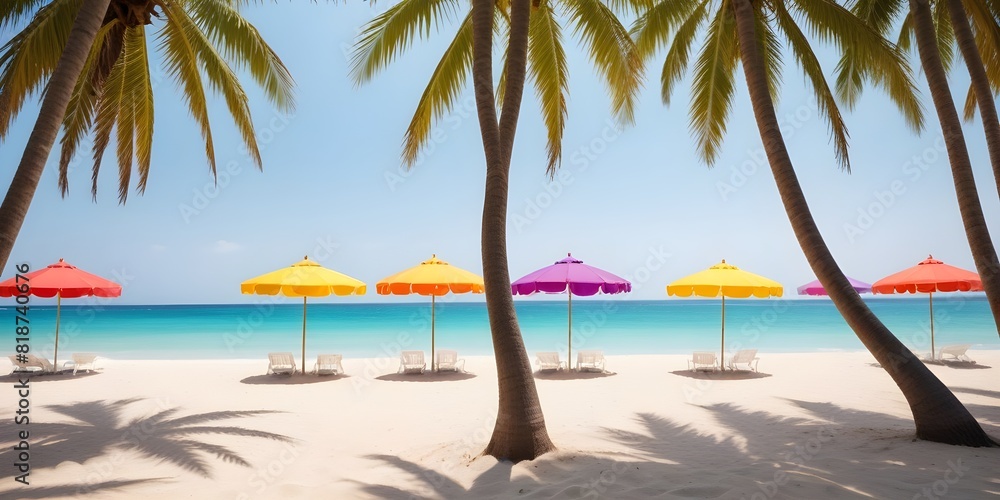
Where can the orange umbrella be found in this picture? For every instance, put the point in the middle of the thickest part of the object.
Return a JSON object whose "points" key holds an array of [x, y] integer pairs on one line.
{"points": [[431, 277], [929, 276], [60, 280]]}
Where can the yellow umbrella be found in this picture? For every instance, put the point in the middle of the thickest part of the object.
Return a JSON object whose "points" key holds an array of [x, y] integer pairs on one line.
{"points": [[432, 277], [303, 279], [725, 280]]}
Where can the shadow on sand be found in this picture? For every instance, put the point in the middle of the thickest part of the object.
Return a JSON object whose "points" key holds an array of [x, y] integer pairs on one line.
{"points": [[571, 375], [100, 430], [46, 377], [720, 375], [426, 376], [297, 379]]}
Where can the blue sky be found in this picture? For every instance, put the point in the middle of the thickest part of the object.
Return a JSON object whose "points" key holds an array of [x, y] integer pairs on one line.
{"points": [[637, 202]]}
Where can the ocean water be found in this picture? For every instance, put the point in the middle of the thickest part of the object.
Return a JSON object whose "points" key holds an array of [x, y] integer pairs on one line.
{"points": [[615, 325]]}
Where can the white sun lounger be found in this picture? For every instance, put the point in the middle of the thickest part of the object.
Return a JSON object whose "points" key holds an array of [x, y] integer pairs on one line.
{"points": [[744, 360], [280, 363], [411, 362], [329, 364], [83, 361], [32, 364], [447, 360], [703, 361], [590, 361], [956, 352], [548, 361]]}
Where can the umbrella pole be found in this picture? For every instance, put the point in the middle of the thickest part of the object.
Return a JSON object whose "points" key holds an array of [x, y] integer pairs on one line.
{"points": [[722, 358], [569, 340], [433, 366], [55, 357], [930, 301], [303, 335]]}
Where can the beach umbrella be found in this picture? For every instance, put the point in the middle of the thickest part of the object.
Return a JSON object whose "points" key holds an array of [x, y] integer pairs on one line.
{"points": [[60, 280], [432, 277], [816, 288], [303, 279], [570, 274], [929, 276], [725, 280]]}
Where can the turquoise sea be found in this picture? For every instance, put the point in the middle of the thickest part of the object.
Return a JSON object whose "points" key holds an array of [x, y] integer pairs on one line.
{"points": [[618, 326]]}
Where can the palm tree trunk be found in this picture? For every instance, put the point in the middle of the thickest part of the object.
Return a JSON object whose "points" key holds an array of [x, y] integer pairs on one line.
{"points": [[980, 83], [57, 95], [520, 432], [983, 252], [938, 414]]}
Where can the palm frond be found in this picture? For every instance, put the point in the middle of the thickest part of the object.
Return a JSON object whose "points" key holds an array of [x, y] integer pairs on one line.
{"points": [[109, 104], [137, 78], [879, 15], [13, 12], [870, 54], [825, 101], [654, 26], [245, 48], [548, 73], [442, 91], [713, 85], [221, 78], [82, 106], [612, 51], [906, 36], [393, 31], [769, 48], [29, 57], [945, 34], [653, 32]]}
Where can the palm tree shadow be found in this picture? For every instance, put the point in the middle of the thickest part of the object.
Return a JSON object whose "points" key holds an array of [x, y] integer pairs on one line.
{"points": [[68, 490], [298, 379], [99, 428], [979, 392]]}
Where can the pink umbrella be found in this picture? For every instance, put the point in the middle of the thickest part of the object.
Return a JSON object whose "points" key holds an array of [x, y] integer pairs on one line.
{"points": [[815, 288], [573, 275]]}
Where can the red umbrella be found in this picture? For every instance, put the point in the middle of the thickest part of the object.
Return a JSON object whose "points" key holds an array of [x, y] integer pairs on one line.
{"points": [[61, 280], [929, 276]]}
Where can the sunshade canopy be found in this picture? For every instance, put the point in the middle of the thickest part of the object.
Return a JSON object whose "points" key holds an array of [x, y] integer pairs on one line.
{"points": [[725, 280], [303, 279], [63, 279], [431, 277], [930, 275], [573, 274], [816, 288]]}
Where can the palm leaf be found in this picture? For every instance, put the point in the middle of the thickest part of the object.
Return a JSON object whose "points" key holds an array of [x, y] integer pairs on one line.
{"points": [[13, 12], [243, 45], [548, 73], [393, 31], [442, 91], [945, 34], [807, 60], [713, 86], [770, 50], [653, 29], [137, 78], [30, 56], [612, 51], [109, 105]]}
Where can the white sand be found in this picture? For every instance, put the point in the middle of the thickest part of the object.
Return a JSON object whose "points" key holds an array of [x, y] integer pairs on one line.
{"points": [[824, 425]]}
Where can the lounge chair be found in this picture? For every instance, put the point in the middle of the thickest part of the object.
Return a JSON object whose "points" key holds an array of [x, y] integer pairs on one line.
{"points": [[745, 357], [448, 361], [548, 361], [411, 362], [590, 361], [32, 364], [956, 353], [329, 364], [703, 361], [281, 363], [82, 361]]}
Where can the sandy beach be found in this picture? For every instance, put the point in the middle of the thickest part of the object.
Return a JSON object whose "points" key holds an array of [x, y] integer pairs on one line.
{"points": [[815, 425]]}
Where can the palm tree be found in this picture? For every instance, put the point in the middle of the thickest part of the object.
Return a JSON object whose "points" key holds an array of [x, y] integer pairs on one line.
{"points": [[746, 32], [112, 89], [531, 37], [935, 36]]}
